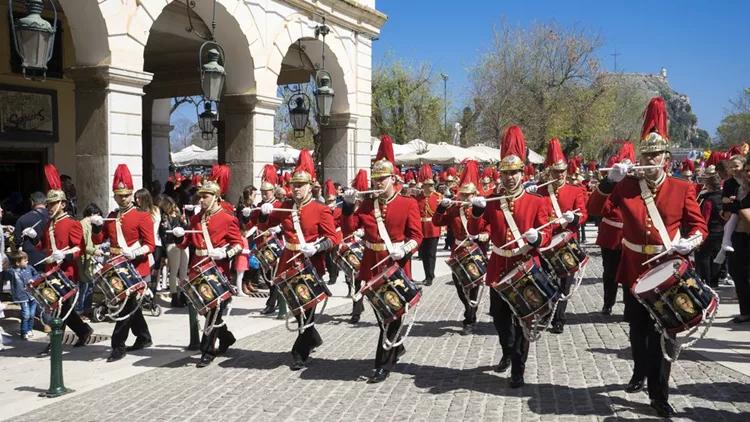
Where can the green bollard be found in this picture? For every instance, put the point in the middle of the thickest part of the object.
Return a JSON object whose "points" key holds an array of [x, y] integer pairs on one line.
{"points": [[195, 340], [56, 384], [282, 307]]}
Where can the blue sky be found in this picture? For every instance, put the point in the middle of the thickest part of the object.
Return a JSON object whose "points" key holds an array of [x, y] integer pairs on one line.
{"points": [[705, 45]]}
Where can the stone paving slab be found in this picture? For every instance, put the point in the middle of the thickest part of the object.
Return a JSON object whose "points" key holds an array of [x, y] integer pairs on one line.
{"points": [[444, 376]]}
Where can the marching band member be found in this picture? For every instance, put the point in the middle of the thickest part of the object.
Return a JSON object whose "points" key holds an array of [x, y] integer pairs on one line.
{"points": [[488, 186], [654, 208], [392, 228], [222, 175], [220, 240], [688, 169], [457, 218], [510, 219], [428, 201], [564, 199], [62, 240], [330, 197], [131, 234], [301, 229]]}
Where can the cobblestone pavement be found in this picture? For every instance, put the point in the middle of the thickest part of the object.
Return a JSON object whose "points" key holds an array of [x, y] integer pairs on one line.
{"points": [[578, 375]]}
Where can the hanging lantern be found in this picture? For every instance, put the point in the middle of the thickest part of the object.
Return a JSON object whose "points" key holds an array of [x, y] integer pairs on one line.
{"points": [[206, 122], [324, 96], [33, 37], [300, 114], [212, 74]]}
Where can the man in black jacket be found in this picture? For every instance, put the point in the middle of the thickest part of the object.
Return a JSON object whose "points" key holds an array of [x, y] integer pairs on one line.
{"points": [[36, 218]]}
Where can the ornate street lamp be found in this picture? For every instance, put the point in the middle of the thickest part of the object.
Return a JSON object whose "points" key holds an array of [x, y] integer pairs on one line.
{"points": [[300, 114], [324, 94], [33, 37], [206, 122], [212, 73]]}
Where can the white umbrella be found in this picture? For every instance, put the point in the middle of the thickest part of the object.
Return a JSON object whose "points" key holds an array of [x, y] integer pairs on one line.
{"points": [[192, 156], [488, 154], [415, 145], [441, 153], [285, 154]]}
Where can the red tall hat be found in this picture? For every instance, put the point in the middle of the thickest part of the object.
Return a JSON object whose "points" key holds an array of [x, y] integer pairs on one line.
{"points": [[555, 157], [196, 180], [329, 190], [399, 179], [529, 171], [626, 154], [735, 150], [469, 182], [54, 184], [512, 149], [269, 178], [385, 159], [450, 174], [425, 175], [122, 183], [360, 181], [409, 176], [654, 135], [592, 165], [612, 161], [487, 176], [305, 170], [714, 158], [287, 177], [688, 167], [572, 167], [223, 177]]}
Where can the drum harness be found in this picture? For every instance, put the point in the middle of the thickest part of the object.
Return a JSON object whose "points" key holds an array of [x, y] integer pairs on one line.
{"points": [[209, 326], [114, 310], [53, 246]]}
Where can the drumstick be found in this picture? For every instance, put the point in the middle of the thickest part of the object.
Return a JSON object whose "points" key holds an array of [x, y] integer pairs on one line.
{"points": [[375, 191], [300, 253], [187, 231], [45, 259], [381, 261], [545, 184], [668, 251], [251, 231], [556, 220], [633, 168], [283, 209]]}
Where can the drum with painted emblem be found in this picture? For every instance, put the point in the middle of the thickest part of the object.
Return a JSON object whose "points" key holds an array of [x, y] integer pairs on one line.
{"points": [[469, 265], [206, 286], [52, 288], [118, 279], [529, 291], [301, 286], [391, 292]]}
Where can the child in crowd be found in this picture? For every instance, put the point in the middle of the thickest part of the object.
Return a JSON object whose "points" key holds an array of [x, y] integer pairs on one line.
{"points": [[20, 274]]}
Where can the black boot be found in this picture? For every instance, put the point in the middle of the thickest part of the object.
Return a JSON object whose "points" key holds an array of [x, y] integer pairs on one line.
{"points": [[379, 375], [82, 340], [635, 385], [663, 409], [224, 345], [176, 301], [516, 381], [116, 355], [504, 364], [205, 361]]}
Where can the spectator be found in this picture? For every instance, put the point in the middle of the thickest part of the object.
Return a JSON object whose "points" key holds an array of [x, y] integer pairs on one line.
{"points": [[145, 202], [183, 193], [706, 253], [87, 262], [37, 218], [169, 190], [20, 274], [739, 264], [3, 233], [70, 192], [177, 258]]}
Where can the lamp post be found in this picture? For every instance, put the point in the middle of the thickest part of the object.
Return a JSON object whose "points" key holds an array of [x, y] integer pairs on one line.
{"points": [[212, 73], [324, 94], [33, 37], [445, 100]]}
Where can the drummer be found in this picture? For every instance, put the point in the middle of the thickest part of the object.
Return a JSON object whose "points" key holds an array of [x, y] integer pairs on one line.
{"points": [[457, 217], [131, 233], [62, 239], [361, 184], [220, 240], [222, 176], [564, 199], [395, 230], [310, 230], [509, 218], [673, 205]]}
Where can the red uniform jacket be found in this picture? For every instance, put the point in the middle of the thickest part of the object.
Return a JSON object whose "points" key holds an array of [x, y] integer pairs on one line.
{"points": [[67, 233], [402, 222], [529, 211], [337, 214], [137, 226], [427, 207], [223, 229], [452, 218], [569, 197], [227, 206], [610, 229], [675, 201], [255, 220], [316, 221]]}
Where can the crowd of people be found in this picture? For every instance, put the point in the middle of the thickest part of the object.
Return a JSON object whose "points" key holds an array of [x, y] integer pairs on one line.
{"points": [[504, 214]]}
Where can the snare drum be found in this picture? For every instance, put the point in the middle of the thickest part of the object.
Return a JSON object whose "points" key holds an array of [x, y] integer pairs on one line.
{"points": [[675, 295], [268, 252], [529, 291], [390, 292], [469, 266], [205, 286], [564, 254], [50, 287], [118, 278], [349, 258], [301, 286]]}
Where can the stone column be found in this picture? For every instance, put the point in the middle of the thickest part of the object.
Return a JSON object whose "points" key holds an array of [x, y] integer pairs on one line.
{"points": [[246, 142], [160, 147], [108, 129], [339, 149]]}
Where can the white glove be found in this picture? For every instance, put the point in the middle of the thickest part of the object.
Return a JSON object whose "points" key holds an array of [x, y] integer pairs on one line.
{"points": [[246, 252], [218, 253], [58, 256], [266, 208], [398, 254], [359, 233], [197, 209], [445, 202], [247, 211], [531, 188], [569, 216], [473, 237], [350, 195], [275, 230], [129, 254], [97, 220], [531, 236], [178, 232], [29, 232], [683, 247], [189, 207], [618, 172], [309, 249], [479, 201]]}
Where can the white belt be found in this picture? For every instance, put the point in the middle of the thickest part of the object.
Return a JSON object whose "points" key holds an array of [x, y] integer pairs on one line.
{"points": [[612, 223], [644, 249], [507, 253]]}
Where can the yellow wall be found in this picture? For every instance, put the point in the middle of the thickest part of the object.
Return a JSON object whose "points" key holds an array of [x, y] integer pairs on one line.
{"points": [[64, 152]]}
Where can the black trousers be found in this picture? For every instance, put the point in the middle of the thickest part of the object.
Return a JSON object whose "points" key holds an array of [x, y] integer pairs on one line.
{"points": [[450, 239], [565, 284], [470, 313], [308, 339], [610, 263], [386, 358], [359, 305], [135, 323], [208, 341], [331, 267], [273, 292], [73, 321], [739, 268], [645, 344], [512, 340], [428, 255], [707, 269]]}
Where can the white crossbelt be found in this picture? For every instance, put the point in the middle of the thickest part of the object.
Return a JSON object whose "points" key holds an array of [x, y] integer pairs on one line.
{"points": [[507, 253], [612, 223]]}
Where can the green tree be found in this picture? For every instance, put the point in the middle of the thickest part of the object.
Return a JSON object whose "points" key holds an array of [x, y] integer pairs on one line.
{"points": [[735, 126]]}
